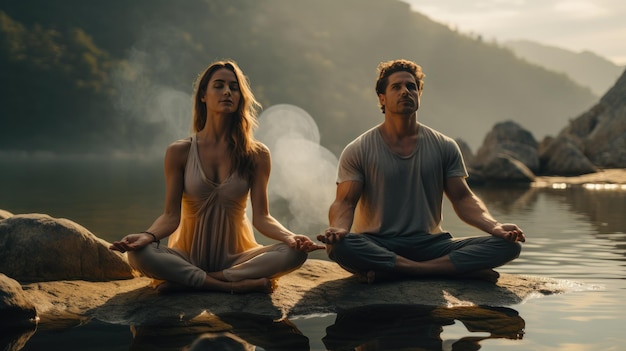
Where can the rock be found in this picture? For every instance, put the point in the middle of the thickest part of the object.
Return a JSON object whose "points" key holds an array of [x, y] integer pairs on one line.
{"points": [[508, 138], [319, 286], [562, 156], [504, 168], [599, 133], [607, 177], [16, 310], [5, 214], [37, 247], [466, 151]]}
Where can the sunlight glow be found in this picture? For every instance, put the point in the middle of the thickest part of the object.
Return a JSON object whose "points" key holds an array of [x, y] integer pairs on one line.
{"points": [[580, 10], [591, 186], [559, 186]]}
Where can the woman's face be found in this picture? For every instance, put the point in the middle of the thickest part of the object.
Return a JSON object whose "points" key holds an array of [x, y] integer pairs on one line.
{"points": [[222, 94]]}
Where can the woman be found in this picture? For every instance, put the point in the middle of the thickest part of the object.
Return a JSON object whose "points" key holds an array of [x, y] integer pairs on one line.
{"points": [[208, 179]]}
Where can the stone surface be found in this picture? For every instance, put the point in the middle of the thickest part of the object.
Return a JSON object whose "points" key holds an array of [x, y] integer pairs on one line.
{"points": [[505, 168], [466, 151], [16, 309], [607, 177], [562, 157], [509, 154], [600, 133], [508, 138], [4, 214], [37, 247], [318, 287]]}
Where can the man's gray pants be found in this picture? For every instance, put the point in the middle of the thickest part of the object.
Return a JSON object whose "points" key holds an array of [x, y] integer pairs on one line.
{"points": [[359, 253]]}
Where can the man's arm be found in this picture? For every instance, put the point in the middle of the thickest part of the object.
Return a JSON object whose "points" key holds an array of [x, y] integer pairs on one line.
{"points": [[472, 210], [341, 212]]}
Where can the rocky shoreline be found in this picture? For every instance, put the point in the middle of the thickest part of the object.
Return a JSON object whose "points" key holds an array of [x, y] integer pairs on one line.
{"points": [[57, 288], [616, 177], [44, 290]]}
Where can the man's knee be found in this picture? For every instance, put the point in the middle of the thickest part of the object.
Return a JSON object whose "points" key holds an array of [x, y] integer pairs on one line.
{"points": [[355, 253], [342, 248], [515, 249], [512, 249], [508, 250]]}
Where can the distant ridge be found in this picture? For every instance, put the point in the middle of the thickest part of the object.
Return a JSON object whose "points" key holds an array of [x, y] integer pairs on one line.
{"points": [[73, 83], [585, 68]]}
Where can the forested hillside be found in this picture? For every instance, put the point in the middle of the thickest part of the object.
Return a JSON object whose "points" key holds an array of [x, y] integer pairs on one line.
{"points": [[115, 77], [585, 68]]}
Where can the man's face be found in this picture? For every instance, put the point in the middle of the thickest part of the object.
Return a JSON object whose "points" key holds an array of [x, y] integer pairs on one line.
{"points": [[401, 95]]}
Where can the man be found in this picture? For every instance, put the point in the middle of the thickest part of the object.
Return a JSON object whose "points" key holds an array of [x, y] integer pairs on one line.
{"points": [[386, 217]]}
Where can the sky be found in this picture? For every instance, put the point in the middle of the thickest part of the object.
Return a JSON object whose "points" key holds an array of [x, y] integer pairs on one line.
{"points": [[598, 26]]}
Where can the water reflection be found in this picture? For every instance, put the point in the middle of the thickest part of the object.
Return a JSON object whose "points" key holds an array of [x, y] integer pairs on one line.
{"points": [[229, 331], [15, 338], [603, 208], [367, 328], [401, 327]]}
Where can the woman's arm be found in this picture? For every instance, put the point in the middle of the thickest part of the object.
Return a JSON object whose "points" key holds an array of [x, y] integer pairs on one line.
{"points": [[261, 217], [168, 221]]}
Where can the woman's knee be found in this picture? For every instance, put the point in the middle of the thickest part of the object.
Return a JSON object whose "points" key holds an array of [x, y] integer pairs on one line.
{"points": [[145, 260], [293, 257], [138, 258]]}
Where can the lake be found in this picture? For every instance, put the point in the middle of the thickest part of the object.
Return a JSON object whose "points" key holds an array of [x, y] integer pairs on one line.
{"points": [[575, 234]]}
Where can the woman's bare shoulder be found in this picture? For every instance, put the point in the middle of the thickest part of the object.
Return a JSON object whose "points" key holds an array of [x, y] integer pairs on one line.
{"points": [[178, 150], [262, 153]]}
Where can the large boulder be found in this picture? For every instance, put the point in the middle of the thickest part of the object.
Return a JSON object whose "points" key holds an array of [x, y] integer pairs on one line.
{"points": [[16, 310], [18, 315], [562, 156], [509, 154], [466, 151], [505, 168], [37, 247], [508, 138], [598, 134]]}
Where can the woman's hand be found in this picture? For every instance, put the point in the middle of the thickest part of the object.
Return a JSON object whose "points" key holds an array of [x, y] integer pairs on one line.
{"points": [[132, 242], [302, 243]]}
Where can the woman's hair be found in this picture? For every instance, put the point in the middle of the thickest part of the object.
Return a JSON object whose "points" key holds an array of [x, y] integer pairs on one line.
{"points": [[242, 142], [385, 69]]}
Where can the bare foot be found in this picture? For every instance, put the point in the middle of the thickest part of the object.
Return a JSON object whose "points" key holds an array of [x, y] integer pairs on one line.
{"points": [[367, 278], [171, 287], [262, 285], [372, 276], [483, 274]]}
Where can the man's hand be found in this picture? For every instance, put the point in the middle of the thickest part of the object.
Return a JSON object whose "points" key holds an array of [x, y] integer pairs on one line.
{"points": [[303, 243], [132, 242], [509, 232], [332, 235]]}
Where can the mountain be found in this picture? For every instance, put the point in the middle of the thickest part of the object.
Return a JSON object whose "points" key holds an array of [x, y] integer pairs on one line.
{"points": [[115, 77], [585, 68], [597, 136]]}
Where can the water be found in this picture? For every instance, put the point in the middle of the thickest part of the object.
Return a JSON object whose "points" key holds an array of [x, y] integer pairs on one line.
{"points": [[574, 234]]}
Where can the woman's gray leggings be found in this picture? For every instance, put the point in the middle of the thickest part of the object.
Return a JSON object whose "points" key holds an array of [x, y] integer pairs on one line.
{"points": [[172, 265]]}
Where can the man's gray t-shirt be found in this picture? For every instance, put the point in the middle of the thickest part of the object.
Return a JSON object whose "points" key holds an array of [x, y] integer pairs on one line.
{"points": [[401, 195]]}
